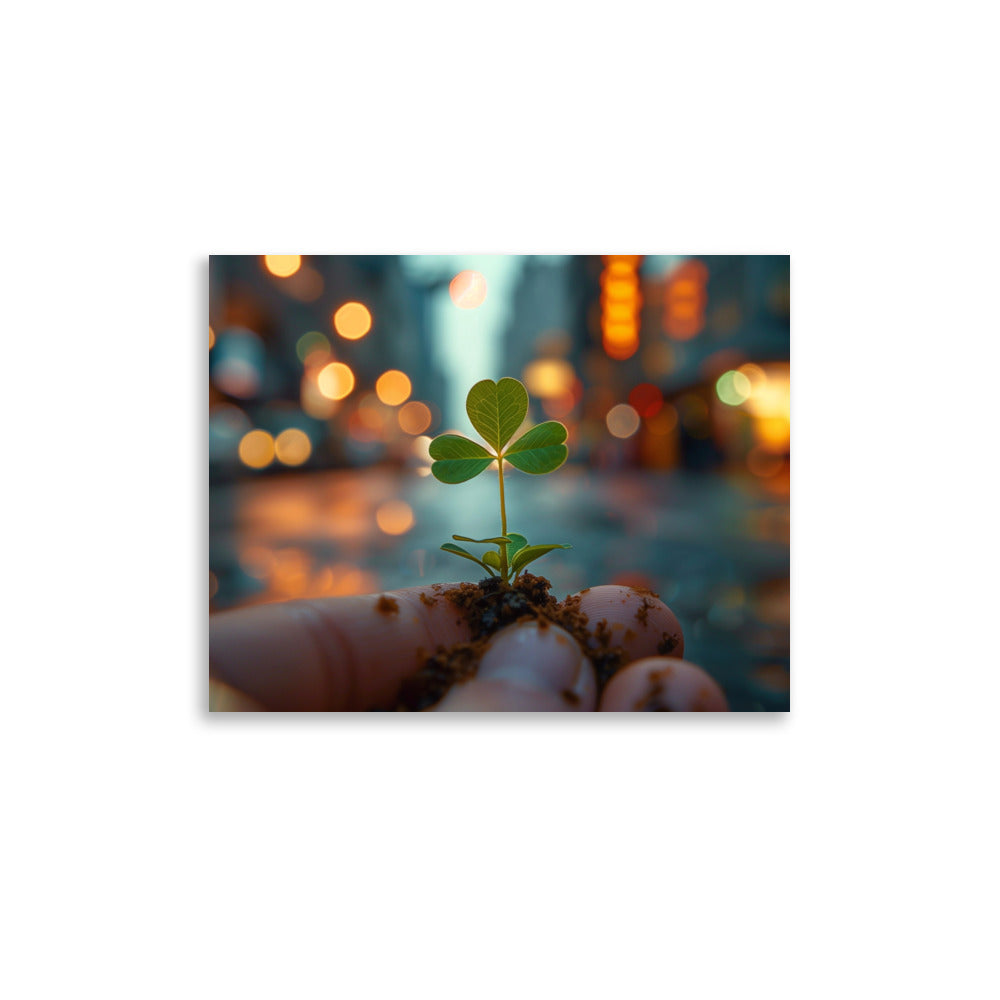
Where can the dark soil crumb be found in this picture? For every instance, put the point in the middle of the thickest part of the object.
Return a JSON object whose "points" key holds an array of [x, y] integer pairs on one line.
{"points": [[429, 601], [645, 591], [571, 698], [642, 612], [491, 605], [667, 644], [653, 700], [387, 605]]}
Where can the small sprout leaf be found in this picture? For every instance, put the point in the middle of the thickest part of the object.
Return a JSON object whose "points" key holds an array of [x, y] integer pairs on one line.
{"points": [[497, 409], [481, 541], [540, 450], [530, 553], [491, 559], [457, 459], [517, 542], [457, 550]]}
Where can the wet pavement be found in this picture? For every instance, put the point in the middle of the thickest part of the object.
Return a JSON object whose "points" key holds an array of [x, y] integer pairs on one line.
{"points": [[715, 548]]}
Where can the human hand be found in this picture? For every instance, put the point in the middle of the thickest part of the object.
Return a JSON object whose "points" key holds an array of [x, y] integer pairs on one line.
{"points": [[343, 654]]}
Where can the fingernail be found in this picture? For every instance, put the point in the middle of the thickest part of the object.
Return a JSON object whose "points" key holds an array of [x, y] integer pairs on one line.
{"points": [[539, 656]]}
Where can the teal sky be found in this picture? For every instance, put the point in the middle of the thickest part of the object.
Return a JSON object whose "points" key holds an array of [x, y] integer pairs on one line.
{"points": [[467, 341]]}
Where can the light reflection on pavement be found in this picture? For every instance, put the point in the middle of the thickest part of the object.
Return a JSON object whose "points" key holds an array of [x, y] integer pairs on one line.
{"points": [[715, 549]]}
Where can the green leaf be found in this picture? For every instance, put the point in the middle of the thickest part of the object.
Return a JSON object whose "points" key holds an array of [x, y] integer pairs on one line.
{"points": [[497, 409], [481, 541], [517, 542], [458, 458], [540, 450], [457, 550], [530, 553], [491, 558]]}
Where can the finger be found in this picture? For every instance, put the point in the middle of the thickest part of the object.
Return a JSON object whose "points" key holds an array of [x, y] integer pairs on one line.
{"points": [[638, 621], [662, 684], [528, 667], [332, 654]]}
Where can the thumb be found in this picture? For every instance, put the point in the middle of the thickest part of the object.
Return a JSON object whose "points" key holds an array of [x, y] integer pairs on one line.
{"points": [[528, 667]]}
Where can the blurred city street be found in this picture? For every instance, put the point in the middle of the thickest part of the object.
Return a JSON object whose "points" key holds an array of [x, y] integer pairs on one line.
{"points": [[715, 549]]}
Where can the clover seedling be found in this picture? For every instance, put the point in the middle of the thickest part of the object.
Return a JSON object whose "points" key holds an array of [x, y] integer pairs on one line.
{"points": [[496, 410]]}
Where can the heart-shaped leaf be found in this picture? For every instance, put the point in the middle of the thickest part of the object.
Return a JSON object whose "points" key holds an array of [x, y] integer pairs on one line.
{"points": [[491, 558], [497, 409], [481, 541], [540, 450], [532, 552], [457, 458], [517, 542], [457, 550]]}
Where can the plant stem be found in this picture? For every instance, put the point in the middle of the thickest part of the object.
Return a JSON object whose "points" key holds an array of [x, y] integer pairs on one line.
{"points": [[503, 521]]}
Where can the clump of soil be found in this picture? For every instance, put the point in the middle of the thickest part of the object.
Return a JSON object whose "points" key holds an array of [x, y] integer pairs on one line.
{"points": [[489, 606]]}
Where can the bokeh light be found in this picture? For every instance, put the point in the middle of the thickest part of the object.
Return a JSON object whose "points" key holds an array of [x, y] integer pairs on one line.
{"points": [[282, 265], [414, 417], [312, 399], [393, 387], [312, 347], [622, 420], [548, 377], [646, 399], [257, 449], [468, 289], [211, 338], [352, 320], [663, 422], [335, 381], [394, 517], [292, 446], [733, 388]]}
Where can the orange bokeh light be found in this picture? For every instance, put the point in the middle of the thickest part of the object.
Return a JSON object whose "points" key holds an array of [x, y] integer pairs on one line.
{"points": [[292, 446], [468, 289], [394, 517], [282, 265], [352, 320], [393, 387], [414, 417], [256, 449]]}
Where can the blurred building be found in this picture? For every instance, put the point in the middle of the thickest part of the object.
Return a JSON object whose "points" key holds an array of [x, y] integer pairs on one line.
{"points": [[298, 346], [659, 362]]}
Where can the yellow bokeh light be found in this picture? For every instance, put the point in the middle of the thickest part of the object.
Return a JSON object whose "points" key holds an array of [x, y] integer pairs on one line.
{"points": [[257, 449], [211, 338], [292, 446], [352, 321], [622, 420], [282, 265], [733, 388], [772, 433], [548, 377], [468, 289], [336, 380], [394, 517], [414, 417], [393, 387]]}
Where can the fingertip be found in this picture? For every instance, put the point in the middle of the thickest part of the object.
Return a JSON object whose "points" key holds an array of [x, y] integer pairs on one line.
{"points": [[662, 684], [636, 620], [528, 667]]}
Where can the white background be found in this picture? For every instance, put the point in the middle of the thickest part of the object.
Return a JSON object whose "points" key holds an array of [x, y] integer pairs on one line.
{"points": [[846, 850]]}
